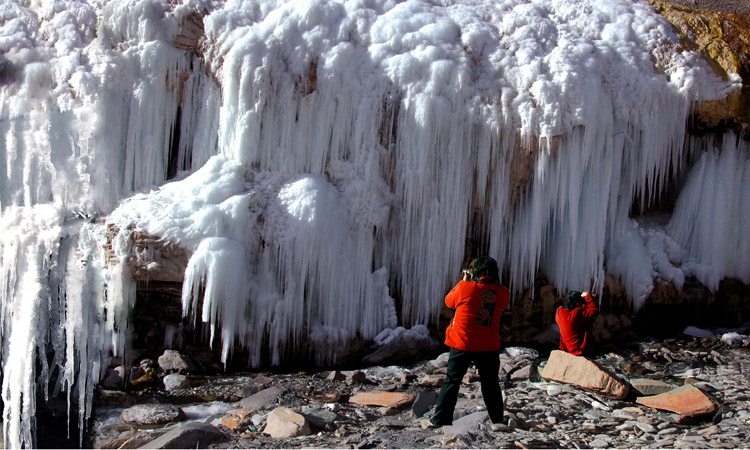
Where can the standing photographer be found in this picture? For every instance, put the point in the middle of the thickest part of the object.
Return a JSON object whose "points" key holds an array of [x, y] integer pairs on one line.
{"points": [[575, 318], [473, 336]]}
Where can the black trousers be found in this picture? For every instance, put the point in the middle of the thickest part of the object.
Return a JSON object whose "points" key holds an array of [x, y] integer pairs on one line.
{"points": [[488, 365]]}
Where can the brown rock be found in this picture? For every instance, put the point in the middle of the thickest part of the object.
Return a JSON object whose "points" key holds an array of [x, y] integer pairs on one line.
{"points": [[686, 400], [325, 397], [382, 398], [236, 419], [433, 380], [154, 259], [722, 39], [335, 375], [357, 376], [710, 431], [470, 378], [633, 410], [582, 372], [549, 300], [283, 423], [191, 32]]}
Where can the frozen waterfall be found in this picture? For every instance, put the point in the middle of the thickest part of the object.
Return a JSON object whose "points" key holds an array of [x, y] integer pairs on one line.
{"points": [[327, 162]]}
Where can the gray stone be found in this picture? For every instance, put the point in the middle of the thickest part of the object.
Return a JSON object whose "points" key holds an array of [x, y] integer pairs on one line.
{"points": [[152, 414], [174, 361], [174, 381], [466, 424], [335, 375], [439, 362], [188, 435], [125, 440], [424, 402], [646, 428], [647, 386], [323, 419], [402, 347], [250, 388], [595, 414], [115, 378], [598, 443], [262, 380], [521, 374], [262, 398]]}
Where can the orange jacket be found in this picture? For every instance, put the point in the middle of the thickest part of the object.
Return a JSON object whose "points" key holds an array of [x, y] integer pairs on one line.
{"points": [[575, 326], [476, 323]]}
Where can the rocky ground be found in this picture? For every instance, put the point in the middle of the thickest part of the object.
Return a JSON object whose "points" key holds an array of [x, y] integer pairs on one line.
{"points": [[380, 407]]}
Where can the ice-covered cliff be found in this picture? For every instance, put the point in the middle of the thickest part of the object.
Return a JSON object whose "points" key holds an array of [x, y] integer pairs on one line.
{"points": [[330, 165]]}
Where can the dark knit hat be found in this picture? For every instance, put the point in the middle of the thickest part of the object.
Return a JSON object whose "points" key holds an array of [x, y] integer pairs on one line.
{"points": [[484, 266], [572, 299]]}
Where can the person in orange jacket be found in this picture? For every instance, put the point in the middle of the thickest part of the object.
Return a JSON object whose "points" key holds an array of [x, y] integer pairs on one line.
{"points": [[575, 318], [473, 336]]}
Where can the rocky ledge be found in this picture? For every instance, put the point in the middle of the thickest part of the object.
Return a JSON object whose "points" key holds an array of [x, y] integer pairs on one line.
{"points": [[687, 392]]}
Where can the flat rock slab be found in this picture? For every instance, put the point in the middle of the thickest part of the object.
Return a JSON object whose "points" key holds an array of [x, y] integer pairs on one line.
{"points": [[152, 414], [188, 435], [584, 373], [383, 398], [262, 398], [686, 400]]}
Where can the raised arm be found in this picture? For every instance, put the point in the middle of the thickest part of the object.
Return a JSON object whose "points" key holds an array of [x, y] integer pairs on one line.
{"points": [[590, 310]]}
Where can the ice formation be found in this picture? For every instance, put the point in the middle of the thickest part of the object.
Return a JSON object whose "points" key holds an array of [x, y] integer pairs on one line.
{"points": [[326, 163]]}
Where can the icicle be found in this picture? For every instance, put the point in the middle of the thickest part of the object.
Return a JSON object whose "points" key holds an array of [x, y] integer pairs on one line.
{"points": [[333, 156], [714, 198]]}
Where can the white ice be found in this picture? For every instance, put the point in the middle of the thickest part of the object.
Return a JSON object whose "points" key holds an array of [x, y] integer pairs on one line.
{"points": [[332, 160]]}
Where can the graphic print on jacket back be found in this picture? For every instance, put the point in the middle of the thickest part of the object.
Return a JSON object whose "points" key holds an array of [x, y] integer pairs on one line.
{"points": [[486, 308]]}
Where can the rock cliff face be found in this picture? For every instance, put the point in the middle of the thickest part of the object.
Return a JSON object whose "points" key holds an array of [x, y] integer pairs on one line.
{"points": [[719, 31], [722, 36]]}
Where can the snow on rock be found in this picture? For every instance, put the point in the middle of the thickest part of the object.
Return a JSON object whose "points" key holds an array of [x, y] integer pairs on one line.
{"points": [[401, 344], [321, 159], [734, 339]]}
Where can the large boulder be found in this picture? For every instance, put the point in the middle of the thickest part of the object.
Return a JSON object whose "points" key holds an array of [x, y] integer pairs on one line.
{"points": [[174, 361], [584, 373]]}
